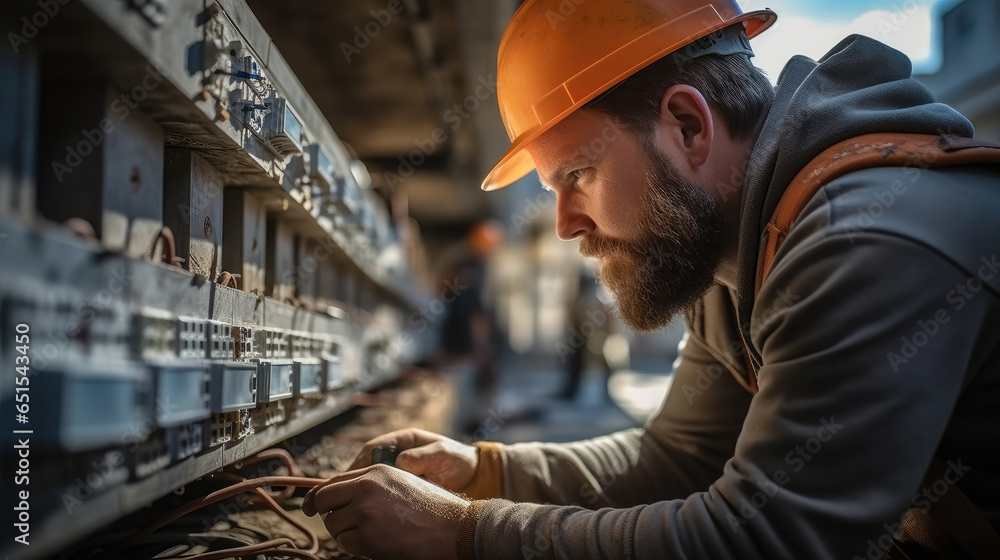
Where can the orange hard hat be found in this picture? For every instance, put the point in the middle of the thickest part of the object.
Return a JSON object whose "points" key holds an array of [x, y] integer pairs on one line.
{"points": [[556, 55]]}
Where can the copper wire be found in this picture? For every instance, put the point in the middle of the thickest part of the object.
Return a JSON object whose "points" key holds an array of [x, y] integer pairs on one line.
{"points": [[229, 279], [168, 254], [283, 456], [219, 495], [273, 546]]}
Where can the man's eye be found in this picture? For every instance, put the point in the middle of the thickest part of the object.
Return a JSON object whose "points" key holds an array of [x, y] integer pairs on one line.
{"points": [[579, 173]]}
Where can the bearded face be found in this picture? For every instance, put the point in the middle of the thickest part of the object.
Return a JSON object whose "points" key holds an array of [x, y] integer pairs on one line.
{"points": [[674, 263]]}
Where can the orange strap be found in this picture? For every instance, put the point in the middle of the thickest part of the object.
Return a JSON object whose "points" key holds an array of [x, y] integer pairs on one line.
{"points": [[922, 151]]}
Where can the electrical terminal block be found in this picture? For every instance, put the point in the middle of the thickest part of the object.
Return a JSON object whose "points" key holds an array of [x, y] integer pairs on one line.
{"points": [[220, 341], [151, 455], [192, 339], [156, 335], [220, 429], [185, 440], [277, 344]]}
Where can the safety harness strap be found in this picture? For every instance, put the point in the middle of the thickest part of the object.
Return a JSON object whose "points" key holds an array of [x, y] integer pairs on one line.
{"points": [[920, 151]]}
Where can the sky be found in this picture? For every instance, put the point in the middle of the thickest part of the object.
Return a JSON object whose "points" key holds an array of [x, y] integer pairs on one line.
{"points": [[813, 27]]}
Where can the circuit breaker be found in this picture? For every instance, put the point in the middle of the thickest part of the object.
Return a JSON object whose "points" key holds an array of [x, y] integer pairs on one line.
{"points": [[193, 209], [281, 263], [244, 239]]}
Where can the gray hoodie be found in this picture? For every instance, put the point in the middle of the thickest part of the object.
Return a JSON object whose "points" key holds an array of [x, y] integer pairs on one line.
{"points": [[878, 332]]}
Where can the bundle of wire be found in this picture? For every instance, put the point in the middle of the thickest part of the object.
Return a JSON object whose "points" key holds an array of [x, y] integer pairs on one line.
{"points": [[280, 547]]}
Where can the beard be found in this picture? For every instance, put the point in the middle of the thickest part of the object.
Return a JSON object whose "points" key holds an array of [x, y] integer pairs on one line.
{"points": [[674, 264]]}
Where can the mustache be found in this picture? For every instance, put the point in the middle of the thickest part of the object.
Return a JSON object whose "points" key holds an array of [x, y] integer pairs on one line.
{"points": [[594, 246]]}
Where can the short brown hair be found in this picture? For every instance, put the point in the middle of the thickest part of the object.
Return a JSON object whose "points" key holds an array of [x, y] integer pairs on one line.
{"points": [[734, 87]]}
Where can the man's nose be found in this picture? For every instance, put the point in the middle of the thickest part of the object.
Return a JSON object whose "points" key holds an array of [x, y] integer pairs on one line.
{"points": [[571, 219]]}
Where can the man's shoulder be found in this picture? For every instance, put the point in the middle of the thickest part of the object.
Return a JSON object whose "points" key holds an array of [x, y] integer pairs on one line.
{"points": [[954, 211]]}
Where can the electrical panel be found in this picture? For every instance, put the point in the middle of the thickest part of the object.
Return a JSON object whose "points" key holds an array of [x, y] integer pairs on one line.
{"points": [[197, 256], [308, 377], [282, 127], [234, 387], [275, 380], [334, 374], [90, 405], [183, 394]]}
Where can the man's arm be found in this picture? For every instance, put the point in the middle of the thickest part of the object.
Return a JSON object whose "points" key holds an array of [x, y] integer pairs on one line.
{"points": [[682, 450], [836, 441]]}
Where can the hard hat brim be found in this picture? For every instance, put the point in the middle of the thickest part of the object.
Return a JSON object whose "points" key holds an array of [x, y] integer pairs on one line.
{"points": [[517, 162]]}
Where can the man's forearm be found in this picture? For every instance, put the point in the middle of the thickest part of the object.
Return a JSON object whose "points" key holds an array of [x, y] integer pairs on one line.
{"points": [[681, 451]]}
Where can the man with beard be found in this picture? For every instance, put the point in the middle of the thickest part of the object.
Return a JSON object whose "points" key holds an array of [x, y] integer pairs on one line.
{"points": [[843, 407]]}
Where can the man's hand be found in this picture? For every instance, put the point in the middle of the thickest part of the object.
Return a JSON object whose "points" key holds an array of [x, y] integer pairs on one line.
{"points": [[381, 512], [441, 460]]}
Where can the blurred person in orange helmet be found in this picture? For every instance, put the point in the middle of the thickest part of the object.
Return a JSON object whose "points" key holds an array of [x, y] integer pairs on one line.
{"points": [[831, 243]]}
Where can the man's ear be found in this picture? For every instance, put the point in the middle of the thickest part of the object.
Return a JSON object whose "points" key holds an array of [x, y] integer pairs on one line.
{"points": [[686, 122]]}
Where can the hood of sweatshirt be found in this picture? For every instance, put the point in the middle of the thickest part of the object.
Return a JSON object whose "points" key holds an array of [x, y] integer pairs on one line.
{"points": [[860, 87]]}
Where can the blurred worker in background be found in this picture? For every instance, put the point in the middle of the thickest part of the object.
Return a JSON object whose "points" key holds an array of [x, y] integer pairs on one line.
{"points": [[834, 398], [585, 341], [469, 335]]}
